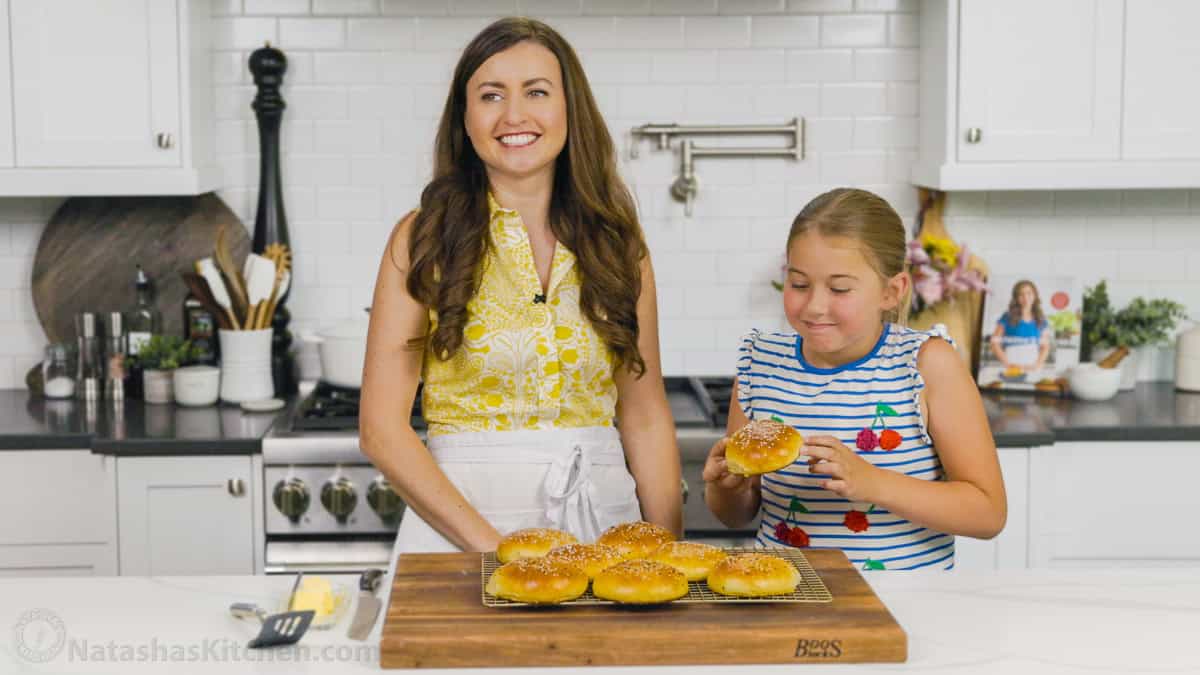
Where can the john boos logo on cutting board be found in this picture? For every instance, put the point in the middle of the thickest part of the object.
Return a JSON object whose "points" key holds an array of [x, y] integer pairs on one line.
{"points": [[818, 649]]}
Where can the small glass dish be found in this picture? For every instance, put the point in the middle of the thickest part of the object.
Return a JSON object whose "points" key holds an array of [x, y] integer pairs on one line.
{"points": [[341, 602]]}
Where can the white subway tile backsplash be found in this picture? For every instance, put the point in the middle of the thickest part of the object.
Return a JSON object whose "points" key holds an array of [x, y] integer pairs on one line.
{"points": [[1087, 202], [229, 67], [318, 103], [710, 362], [654, 32], [416, 7], [312, 33], [819, 6], [1152, 265], [903, 98], [1020, 203], [607, 66], [688, 334], [829, 134], [348, 203], [489, 8], [751, 65], [865, 30], [716, 32], [243, 33], [1145, 202], [1054, 232], [540, 8], [886, 64], [1180, 233], [864, 99], [379, 33], [856, 168], [785, 31], [885, 132], [674, 66], [903, 30], [379, 103], [1119, 233], [1193, 270], [345, 7], [651, 102], [347, 68], [1088, 267], [616, 7], [448, 33], [886, 5], [787, 101], [684, 7], [820, 65], [752, 7], [226, 7], [275, 7]]}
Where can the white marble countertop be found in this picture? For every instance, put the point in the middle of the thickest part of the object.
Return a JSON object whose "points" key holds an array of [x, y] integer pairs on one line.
{"points": [[1112, 621]]}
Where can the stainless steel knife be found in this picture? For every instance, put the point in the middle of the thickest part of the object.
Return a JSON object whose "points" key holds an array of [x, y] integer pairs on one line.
{"points": [[367, 609]]}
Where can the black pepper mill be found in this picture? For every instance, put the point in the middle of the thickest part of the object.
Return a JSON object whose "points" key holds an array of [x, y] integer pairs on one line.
{"points": [[270, 224]]}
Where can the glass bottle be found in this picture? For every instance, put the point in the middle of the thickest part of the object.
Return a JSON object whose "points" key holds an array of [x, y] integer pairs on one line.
{"points": [[143, 321], [89, 375]]}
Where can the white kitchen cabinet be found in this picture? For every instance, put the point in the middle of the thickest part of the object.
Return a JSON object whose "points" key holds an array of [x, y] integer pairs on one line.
{"points": [[6, 121], [186, 515], [1009, 549], [1162, 57], [108, 98], [59, 513], [1114, 504], [1072, 94]]}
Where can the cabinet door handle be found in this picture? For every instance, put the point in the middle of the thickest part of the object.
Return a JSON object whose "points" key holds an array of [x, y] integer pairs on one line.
{"points": [[974, 135], [684, 487], [164, 140], [236, 487]]}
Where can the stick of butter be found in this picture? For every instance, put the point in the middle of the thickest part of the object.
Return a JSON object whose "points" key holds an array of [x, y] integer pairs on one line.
{"points": [[315, 593]]}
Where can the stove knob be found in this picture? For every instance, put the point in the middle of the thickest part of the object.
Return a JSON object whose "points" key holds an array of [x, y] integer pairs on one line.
{"points": [[384, 501], [291, 498], [339, 498]]}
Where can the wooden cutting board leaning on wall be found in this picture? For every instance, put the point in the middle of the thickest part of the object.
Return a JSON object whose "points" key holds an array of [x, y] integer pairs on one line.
{"points": [[87, 257]]}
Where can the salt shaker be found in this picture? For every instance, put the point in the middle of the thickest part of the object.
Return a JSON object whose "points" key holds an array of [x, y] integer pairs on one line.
{"points": [[57, 378]]}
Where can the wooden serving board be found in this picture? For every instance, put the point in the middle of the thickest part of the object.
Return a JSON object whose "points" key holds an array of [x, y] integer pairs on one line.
{"points": [[86, 258], [435, 619]]}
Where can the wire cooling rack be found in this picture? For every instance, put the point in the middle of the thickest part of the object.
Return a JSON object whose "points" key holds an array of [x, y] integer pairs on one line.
{"points": [[810, 589]]}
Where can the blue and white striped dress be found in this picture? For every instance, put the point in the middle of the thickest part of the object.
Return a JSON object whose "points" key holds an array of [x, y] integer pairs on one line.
{"points": [[880, 390]]}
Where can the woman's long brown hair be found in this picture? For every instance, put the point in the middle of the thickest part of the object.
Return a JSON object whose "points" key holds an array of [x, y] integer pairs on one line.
{"points": [[591, 210]]}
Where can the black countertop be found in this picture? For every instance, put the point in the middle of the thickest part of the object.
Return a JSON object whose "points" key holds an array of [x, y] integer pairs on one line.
{"points": [[134, 428], [1152, 412]]}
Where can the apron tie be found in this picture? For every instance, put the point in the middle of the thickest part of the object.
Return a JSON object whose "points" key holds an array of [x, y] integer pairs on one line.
{"points": [[568, 494]]}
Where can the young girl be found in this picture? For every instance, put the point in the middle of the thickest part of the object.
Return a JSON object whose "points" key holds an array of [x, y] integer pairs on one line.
{"points": [[1021, 339], [897, 455]]}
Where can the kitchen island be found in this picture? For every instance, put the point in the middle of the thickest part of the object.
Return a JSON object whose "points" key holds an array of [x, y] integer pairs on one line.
{"points": [[1080, 621]]}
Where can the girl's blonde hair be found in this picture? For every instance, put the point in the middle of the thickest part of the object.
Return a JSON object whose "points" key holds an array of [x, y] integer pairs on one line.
{"points": [[868, 219]]}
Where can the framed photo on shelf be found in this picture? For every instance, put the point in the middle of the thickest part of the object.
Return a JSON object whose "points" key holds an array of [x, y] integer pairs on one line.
{"points": [[1031, 332]]}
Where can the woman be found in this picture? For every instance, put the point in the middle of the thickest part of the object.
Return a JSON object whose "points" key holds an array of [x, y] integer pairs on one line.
{"points": [[521, 293], [1021, 339]]}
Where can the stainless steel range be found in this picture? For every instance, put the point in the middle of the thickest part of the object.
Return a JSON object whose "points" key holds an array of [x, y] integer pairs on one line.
{"points": [[329, 510]]}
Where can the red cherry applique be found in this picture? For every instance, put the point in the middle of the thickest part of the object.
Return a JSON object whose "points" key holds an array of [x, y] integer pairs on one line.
{"points": [[866, 440], [797, 537], [889, 439], [856, 521]]}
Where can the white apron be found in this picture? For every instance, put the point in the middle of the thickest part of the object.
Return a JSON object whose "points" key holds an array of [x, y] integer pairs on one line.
{"points": [[568, 479]]}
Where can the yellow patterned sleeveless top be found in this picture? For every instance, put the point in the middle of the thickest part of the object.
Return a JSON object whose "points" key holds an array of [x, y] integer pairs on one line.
{"points": [[525, 362]]}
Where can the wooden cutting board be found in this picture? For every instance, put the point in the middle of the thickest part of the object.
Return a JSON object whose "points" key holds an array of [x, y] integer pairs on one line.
{"points": [[86, 258], [435, 619]]}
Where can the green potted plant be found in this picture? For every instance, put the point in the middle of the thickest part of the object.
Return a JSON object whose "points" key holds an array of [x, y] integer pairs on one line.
{"points": [[158, 357], [1141, 323]]}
